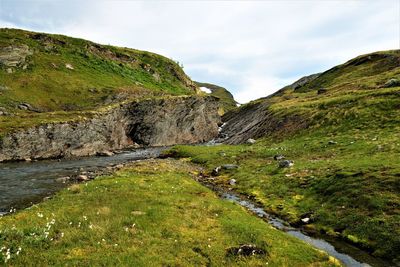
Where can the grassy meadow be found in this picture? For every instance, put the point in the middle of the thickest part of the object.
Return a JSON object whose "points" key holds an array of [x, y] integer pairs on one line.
{"points": [[151, 213]]}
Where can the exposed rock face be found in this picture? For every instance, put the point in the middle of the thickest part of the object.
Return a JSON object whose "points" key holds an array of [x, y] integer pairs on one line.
{"points": [[255, 120], [155, 122], [14, 56], [173, 121]]}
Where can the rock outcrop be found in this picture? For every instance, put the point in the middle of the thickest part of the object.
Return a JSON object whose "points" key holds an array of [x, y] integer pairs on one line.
{"points": [[14, 55], [153, 122], [256, 120]]}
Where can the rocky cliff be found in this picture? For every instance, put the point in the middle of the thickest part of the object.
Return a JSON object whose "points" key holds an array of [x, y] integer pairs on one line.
{"points": [[153, 122]]}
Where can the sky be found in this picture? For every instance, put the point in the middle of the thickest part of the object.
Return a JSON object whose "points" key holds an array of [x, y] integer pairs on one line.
{"points": [[252, 48]]}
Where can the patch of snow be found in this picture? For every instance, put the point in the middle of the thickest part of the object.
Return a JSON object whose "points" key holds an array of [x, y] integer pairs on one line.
{"points": [[206, 90]]}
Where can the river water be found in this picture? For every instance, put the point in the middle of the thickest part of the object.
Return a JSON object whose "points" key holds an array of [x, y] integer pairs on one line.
{"points": [[25, 183]]}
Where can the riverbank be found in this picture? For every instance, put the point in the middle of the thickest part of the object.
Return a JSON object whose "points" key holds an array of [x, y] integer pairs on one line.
{"points": [[149, 213], [342, 185]]}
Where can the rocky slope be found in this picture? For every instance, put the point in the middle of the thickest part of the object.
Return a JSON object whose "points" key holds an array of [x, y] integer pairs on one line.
{"points": [[362, 92], [153, 122]]}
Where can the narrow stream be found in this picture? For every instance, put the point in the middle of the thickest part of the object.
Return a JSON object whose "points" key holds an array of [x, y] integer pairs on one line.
{"points": [[25, 183], [335, 248]]}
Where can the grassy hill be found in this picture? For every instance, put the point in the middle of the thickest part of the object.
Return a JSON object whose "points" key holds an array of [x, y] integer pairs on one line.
{"points": [[42, 73], [341, 128], [226, 98]]}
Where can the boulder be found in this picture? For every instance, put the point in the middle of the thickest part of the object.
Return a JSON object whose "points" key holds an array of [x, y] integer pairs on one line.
{"points": [[331, 142], [286, 163], [232, 181], [279, 157], [229, 166], [392, 83], [250, 141], [216, 171], [82, 178], [25, 106], [63, 179]]}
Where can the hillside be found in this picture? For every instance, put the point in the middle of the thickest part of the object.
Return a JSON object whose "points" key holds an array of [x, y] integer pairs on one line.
{"points": [[361, 93], [42, 73], [226, 98], [340, 129]]}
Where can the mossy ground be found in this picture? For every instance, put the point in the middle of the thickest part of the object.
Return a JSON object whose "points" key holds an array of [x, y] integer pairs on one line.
{"points": [[150, 214], [351, 188]]}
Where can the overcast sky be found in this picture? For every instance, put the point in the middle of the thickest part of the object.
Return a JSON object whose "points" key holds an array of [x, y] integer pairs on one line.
{"points": [[251, 48]]}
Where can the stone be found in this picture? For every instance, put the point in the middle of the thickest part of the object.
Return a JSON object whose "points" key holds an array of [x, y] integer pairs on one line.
{"points": [[285, 163], [63, 179], [82, 178], [279, 157], [392, 83], [25, 106], [232, 181], [10, 70], [69, 66], [3, 112], [229, 166], [105, 154], [250, 141], [331, 142], [245, 250], [216, 171], [305, 220]]}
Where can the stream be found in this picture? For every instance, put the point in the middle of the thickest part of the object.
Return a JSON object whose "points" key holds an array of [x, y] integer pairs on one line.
{"points": [[334, 247], [25, 183]]}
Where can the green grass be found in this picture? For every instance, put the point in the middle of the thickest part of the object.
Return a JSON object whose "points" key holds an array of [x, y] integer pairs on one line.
{"points": [[350, 188], [150, 214], [102, 74]]}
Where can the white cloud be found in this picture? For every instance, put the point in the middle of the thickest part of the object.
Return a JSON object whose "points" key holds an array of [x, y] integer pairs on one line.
{"points": [[250, 47], [254, 87]]}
